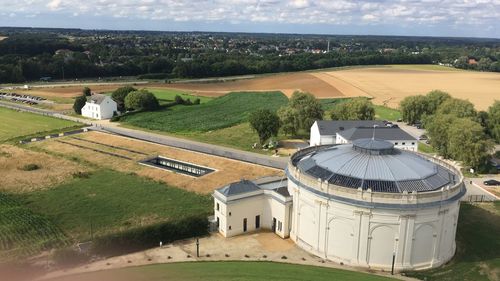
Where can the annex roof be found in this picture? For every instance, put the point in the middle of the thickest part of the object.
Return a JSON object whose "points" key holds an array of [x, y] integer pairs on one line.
{"points": [[331, 127], [236, 188]]}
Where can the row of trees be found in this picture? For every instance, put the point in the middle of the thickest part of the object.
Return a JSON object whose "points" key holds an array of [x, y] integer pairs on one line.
{"points": [[455, 128]]}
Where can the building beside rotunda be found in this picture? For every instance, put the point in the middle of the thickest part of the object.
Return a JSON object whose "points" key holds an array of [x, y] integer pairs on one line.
{"points": [[364, 204]]}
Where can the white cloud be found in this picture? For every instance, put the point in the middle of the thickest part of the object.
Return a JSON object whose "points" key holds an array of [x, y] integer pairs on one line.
{"points": [[448, 13]]}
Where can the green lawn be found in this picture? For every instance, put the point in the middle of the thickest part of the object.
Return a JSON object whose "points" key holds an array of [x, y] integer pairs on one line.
{"points": [[386, 113], [168, 95], [234, 271], [23, 232], [113, 201], [478, 247], [222, 112], [425, 148], [16, 124]]}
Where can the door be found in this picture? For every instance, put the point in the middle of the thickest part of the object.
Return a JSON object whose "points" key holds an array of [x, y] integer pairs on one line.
{"points": [[244, 225], [274, 225], [218, 222], [257, 221]]}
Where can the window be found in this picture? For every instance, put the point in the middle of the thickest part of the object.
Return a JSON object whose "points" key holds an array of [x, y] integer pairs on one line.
{"points": [[280, 226], [229, 213], [217, 207], [257, 221], [395, 143], [245, 225], [403, 143], [412, 143], [229, 227]]}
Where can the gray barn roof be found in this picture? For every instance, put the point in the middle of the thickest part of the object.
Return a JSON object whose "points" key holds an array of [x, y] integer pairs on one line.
{"points": [[383, 133], [97, 98], [375, 164], [331, 127]]}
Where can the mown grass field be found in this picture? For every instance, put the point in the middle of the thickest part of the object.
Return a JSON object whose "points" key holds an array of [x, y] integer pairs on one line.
{"points": [[168, 95], [478, 247], [386, 113], [16, 124], [222, 112], [23, 232], [225, 271], [113, 201]]}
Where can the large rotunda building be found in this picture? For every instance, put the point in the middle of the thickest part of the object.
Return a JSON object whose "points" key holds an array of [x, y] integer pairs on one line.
{"points": [[363, 204]]}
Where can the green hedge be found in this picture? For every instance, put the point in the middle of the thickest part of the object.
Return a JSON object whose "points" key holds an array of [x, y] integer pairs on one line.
{"points": [[137, 239]]}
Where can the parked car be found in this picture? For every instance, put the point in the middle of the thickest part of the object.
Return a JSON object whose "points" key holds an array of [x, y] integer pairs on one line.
{"points": [[491, 182], [399, 120], [423, 137]]}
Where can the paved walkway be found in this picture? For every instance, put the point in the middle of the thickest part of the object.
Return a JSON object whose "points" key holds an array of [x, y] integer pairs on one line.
{"points": [[263, 246], [109, 127], [476, 192]]}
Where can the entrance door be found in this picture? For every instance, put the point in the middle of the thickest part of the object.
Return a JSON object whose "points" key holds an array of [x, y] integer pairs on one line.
{"points": [[218, 222], [274, 225], [244, 225], [257, 221]]}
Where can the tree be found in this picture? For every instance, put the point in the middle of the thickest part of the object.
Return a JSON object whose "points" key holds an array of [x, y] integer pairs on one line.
{"points": [[458, 107], [434, 99], [266, 123], [493, 121], [414, 108], [356, 109], [141, 100], [79, 104], [437, 129], [300, 113], [289, 120], [468, 143], [86, 91], [119, 95]]}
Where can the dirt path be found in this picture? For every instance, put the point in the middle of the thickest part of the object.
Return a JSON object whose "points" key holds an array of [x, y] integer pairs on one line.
{"points": [[263, 246]]}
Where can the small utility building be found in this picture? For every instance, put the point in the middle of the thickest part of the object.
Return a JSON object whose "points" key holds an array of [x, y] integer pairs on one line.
{"points": [[99, 107], [247, 206], [341, 132]]}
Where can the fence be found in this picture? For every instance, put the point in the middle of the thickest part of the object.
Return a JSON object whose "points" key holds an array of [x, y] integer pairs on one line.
{"points": [[478, 198]]}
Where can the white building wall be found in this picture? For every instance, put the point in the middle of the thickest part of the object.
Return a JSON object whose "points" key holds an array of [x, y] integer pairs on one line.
{"points": [[104, 110], [368, 237]]}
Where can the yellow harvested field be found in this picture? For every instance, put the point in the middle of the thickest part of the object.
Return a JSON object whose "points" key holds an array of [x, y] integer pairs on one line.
{"points": [[390, 85], [227, 170], [53, 170]]}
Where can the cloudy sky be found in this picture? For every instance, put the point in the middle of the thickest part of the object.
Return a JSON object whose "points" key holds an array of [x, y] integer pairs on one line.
{"points": [[468, 18]]}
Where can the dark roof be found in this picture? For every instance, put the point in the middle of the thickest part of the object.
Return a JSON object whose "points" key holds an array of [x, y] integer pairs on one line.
{"points": [[235, 188], [358, 166], [382, 133], [331, 127], [283, 191], [97, 98]]}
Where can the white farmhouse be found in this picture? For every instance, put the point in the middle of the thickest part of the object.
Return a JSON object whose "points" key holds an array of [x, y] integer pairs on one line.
{"points": [[340, 132], [99, 107]]}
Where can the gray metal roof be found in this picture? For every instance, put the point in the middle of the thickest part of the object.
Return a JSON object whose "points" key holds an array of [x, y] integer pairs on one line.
{"points": [[97, 98], [283, 191], [331, 127], [384, 133], [235, 188], [392, 171]]}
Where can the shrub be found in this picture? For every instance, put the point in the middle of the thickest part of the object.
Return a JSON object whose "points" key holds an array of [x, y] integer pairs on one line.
{"points": [[79, 104], [120, 94], [138, 239], [30, 167], [141, 100], [86, 91]]}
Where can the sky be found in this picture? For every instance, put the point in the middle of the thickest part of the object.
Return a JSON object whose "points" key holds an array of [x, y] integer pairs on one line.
{"points": [[457, 18]]}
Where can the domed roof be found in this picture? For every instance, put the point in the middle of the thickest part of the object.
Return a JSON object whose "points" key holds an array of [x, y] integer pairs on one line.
{"points": [[375, 164]]}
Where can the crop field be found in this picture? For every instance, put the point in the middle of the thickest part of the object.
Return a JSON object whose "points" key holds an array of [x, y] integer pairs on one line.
{"points": [[23, 232], [225, 271], [83, 147], [386, 84], [218, 113], [52, 170], [168, 95], [16, 124], [113, 201]]}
